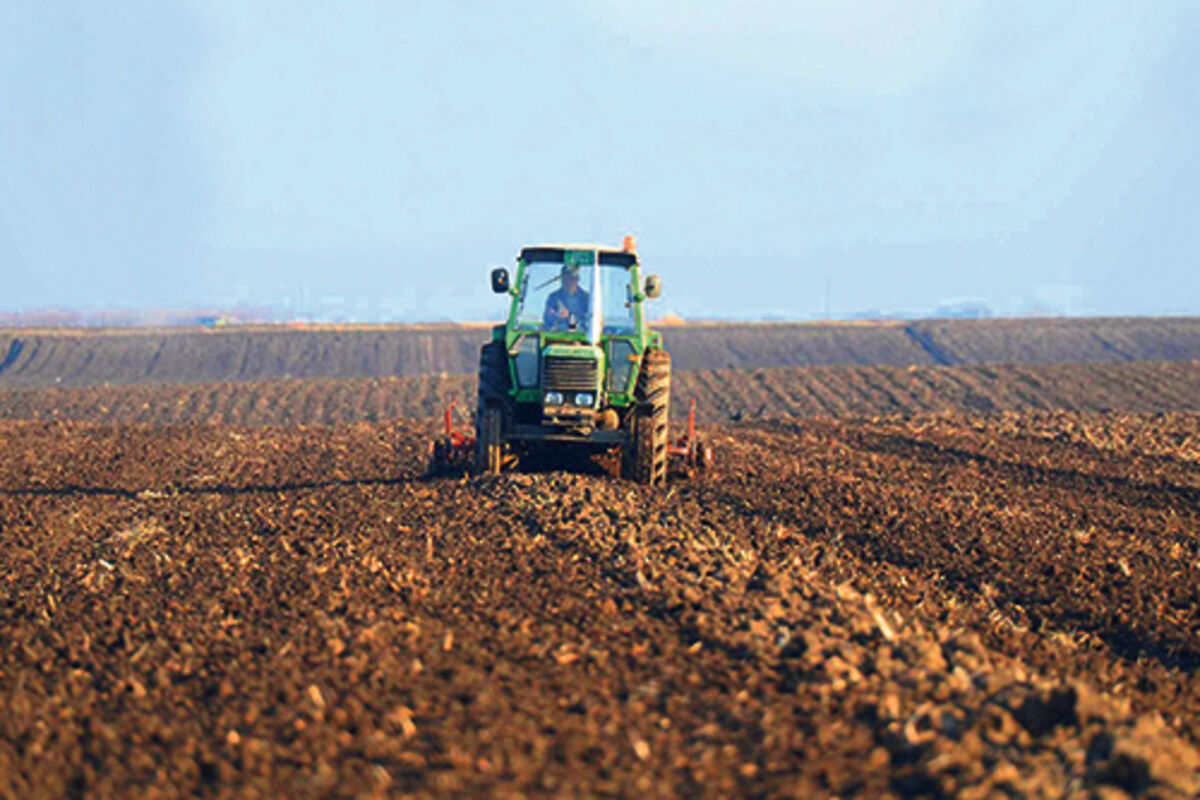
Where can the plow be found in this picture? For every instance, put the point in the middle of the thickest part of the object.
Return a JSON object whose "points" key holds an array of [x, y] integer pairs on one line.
{"points": [[454, 449], [692, 454], [574, 369]]}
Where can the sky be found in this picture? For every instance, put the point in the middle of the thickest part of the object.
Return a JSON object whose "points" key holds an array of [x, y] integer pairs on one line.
{"points": [[775, 158]]}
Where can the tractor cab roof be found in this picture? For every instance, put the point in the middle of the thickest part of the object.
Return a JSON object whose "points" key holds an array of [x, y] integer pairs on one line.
{"points": [[555, 252]]}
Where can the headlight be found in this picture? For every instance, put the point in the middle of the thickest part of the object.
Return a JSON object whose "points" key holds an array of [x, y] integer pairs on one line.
{"points": [[553, 398], [584, 399]]}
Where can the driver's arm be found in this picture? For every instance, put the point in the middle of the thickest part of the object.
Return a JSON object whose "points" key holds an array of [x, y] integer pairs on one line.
{"points": [[550, 315]]}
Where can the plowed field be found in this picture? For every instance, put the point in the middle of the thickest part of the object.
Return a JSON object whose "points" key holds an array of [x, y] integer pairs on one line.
{"points": [[722, 395], [980, 606], [88, 357]]}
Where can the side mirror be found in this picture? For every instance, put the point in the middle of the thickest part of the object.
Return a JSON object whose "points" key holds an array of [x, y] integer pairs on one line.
{"points": [[653, 286], [499, 280]]}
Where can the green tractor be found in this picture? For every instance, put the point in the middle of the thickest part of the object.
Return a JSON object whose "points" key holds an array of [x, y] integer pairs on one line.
{"points": [[575, 367]]}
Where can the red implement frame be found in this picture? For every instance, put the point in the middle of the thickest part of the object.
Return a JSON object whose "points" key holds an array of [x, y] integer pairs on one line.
{"points": [[454, 449], [690, 449]]}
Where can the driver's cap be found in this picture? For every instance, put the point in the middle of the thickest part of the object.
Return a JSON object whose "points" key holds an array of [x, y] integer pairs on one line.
{"points": [[570, 271]]}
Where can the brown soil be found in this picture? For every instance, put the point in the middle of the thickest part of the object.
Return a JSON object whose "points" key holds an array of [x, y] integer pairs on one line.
{"points": [[82, 357], [973, 606], [722, 395]]}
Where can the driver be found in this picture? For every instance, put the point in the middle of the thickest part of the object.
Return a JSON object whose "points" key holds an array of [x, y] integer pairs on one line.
{"points": [[567, 305]]}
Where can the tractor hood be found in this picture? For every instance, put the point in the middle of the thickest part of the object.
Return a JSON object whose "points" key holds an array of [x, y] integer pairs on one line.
{"points": [[571, 350]]}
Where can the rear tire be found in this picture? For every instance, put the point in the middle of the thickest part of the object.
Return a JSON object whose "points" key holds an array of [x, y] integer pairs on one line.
{"points": [[491, 408], [489, 442], [493, 375], [647, 455]]}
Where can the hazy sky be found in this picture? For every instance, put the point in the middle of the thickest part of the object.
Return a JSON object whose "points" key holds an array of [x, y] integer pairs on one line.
{"points": [[374, 159]]}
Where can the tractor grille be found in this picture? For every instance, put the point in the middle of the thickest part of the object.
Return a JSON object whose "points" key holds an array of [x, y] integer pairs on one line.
{"points": [[569, 374]]}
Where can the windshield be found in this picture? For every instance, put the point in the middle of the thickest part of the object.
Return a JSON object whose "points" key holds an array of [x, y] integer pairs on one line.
{"points": [[617, 289], [554, 297]]}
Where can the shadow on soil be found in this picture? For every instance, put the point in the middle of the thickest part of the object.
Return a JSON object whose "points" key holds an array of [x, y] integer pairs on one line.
{"points": [[182, 491]]}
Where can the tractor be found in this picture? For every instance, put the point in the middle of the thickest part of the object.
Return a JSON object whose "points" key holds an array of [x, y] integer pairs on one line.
{"points": [[575, 369]]}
